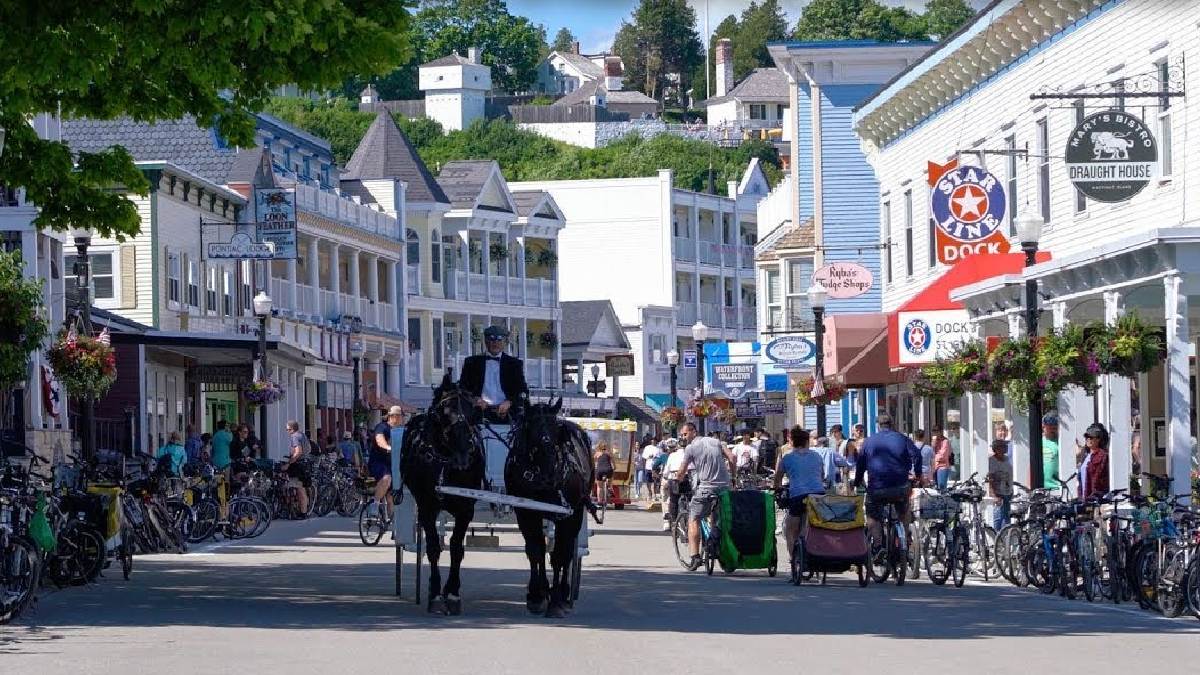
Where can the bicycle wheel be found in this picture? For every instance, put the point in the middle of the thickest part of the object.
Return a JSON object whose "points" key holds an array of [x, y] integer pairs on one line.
{"points": [[207, 517], [959, 556], [368, 523], [20, 572], [244, 518], [1087, 568], [602, 507], [182, 517], [679, 540], [264, 516], [1146, 576], [91, 552], [933, 554], [914, 552], [1008, 548], [711, 553], [898, 554], [1037, 568], [877, 560], [1068, 569], [1192, 587], [1171, 598], [125, 552], [349, 501], [983, 556], [798, 561]]}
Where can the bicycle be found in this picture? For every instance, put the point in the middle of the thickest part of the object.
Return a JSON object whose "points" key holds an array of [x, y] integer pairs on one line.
{"points": [[374, 520], [894, 548], [603, 486], [709, 543]]}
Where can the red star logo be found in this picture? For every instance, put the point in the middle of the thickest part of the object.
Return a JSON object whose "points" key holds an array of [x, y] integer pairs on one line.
{"points": [[968, 203]]}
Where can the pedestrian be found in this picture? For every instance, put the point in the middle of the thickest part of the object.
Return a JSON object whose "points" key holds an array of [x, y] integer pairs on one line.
{"points": [[673, 484], [1000, 483], [350, 450], [298, 447], [205, 454], [1050, 450], [927, 457], [221, 441], [745, 455], [639, 464], [174, 454], [193, 445], [1093, 468], [768, 450], [649, 454], [831, 461], [943, 459]]}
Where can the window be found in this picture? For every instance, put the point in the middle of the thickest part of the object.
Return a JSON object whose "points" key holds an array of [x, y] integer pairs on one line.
{"points": [[227, 295], [758, 111], [210, 288], [247, 275], [774, 299], [1043, 132], [779, 111], [886, 213], [1010, 145], [193, 282], [437, 343], [174, 277], [435, 259], [799, 279], [103, 281], [908, 233], [1164, 119], [413, 251], [1080, 198]]}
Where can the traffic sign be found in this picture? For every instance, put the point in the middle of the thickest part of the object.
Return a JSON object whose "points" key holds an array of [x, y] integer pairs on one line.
{"points": [[689, 358]]}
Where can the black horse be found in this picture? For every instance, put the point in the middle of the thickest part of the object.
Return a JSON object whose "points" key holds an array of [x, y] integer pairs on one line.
{"points": [[550, 461], [441, 447]]}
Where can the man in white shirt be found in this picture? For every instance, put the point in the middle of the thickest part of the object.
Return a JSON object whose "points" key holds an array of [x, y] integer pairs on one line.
{"points": [[671, 480], [746, 455], [495, 377], [649, 453]]}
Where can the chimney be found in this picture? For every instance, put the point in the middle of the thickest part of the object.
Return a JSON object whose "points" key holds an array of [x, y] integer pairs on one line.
{"points": [[473, 54], [724, 67], [575, 47], [614, 73]]}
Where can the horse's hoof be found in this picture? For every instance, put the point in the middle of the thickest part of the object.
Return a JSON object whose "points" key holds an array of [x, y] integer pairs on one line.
{"points": [[556, 611], [537, 606], [436, 605], [453, 605]]}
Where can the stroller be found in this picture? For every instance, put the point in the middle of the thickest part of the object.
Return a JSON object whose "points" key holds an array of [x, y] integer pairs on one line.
{"points": [[836, 539]]}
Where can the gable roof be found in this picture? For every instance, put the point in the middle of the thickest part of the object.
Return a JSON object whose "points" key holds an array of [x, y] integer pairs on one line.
{"points": [[762, 84], [449, 60], [194, 148], [385, 152], [529, 202], [463, 181], [583, 64], [581, 319], [788, 236], [589, 89]]}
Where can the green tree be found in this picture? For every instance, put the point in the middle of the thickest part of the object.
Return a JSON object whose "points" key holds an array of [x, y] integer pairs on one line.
{"points": [[944, 17], [335, 120], [760, 24], [661, 41], [217, 60], [22, 326], [857, 20], [564, 40], [510, 44]]}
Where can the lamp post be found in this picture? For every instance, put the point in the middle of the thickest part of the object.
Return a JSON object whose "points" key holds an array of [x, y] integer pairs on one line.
{"points": [[357, 349], [262, 309], [817, 294], [595, 380], [673, 363], [1029, 231], [83, 287], [700, 334]]}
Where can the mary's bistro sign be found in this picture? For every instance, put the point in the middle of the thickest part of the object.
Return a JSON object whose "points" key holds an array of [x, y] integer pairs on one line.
{"points": [[1111, 156]]}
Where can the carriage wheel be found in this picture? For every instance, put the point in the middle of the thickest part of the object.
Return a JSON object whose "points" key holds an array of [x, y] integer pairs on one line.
{"points": [[576, 575]]}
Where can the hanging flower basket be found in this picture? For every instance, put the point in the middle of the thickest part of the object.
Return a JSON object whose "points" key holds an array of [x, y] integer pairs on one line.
{"points": [[967, 368], [498, 252], [701, 407], [671, 417], [726, 416], [86, 366], [263, 392], [936, 381], [1011, 360], [1128, 348], [834, 391], [547, 258], [361, 414], [1062, 360], [548, 339]]}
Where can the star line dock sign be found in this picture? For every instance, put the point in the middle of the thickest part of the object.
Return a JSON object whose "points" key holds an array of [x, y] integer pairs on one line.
{"points": [[967, 205]]}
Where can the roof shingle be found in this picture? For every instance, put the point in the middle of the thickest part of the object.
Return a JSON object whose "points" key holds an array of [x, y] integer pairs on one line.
{"points": [[463, 181], [182, 142], [385, 152]]}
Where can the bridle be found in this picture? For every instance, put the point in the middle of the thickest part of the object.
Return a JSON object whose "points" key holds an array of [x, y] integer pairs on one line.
{"points": [[452, 409]]}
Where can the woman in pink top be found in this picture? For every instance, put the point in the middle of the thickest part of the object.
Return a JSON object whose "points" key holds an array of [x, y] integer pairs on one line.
{"points": [[943, 457]]}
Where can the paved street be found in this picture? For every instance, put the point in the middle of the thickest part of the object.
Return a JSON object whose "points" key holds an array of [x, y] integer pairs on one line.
{"points": [[308, 597]]}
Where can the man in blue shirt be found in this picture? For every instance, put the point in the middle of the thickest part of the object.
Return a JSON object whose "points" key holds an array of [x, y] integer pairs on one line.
{"points": [[890, 459]]}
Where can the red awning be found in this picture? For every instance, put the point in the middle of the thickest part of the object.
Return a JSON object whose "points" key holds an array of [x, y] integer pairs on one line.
{"points": [[936, 295], [855, 350]]}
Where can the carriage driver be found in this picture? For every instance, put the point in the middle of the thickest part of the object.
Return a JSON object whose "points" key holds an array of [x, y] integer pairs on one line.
{"points": [[494, 377]]}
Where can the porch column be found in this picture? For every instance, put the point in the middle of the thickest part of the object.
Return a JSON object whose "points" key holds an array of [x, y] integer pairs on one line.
{"points": [[373, 287], [314, 276], [579, 376], [290, 291], [1115, 407], [485, 253], [393, 375], [335, 278], [976, 434], [1074, 410], [1178, 389], [1019, 430], [355, 286]]}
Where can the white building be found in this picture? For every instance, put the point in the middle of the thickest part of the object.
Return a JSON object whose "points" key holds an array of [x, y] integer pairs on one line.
{"points": [[665, 257], [970, 101], [455, 89], [564, 72]]}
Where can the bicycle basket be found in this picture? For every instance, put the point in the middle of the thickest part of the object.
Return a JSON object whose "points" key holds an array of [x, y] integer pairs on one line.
{"points": [[935, 506], [835, 512]]}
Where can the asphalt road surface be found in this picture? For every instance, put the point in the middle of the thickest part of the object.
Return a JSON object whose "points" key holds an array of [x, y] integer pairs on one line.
{"points": [[308, 597]]}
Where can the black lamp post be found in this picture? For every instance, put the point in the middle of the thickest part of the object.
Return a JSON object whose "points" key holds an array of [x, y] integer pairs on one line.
{"points": [[83, 285], [673, 364], [357, 349], [595, 380], [817, 294], [1029, 231], [262, 309], [700, 334]]}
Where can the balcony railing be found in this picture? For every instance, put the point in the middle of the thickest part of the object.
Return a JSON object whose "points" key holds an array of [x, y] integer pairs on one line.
{"points": [[412, 367], [749, 317], [687, 313], [335, 207], [729, 255], [329, 304], [478, 288], [730, 317], [542, 374], [710, 253], [746, 257], [498, 290], [412, 279], [685, 249], [710, 314], [516, 291]]}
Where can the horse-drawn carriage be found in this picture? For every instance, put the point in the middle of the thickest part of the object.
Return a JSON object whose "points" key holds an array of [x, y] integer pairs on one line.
{"points": [[538, 469]]}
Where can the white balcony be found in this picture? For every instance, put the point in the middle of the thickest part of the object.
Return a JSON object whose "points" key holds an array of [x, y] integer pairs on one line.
{"points": [[710, 314], [478, 288], [730, 317], [331, 205], [685, 249], [729, 255], [749, 317], [412, 279], [329, 305], [516, 291], [686, 313], [746, 257], [542, 374], [412, 367], [710, 253], [386, 313], [497, 290], [369, 313]]}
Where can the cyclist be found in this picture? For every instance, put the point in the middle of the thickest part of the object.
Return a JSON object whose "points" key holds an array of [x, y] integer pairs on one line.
{"points": [[806, 473], [890, 459], [713, 463], [673, 484], [379, 463], [603, 460], [296, 468]]}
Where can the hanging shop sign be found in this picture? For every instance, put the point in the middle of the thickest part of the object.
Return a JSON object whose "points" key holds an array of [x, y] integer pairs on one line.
{"points": [[618, 365], [844, 280], [967, 205], [735, 379], [241, 246], [1111, 156], [791, 352], [275, 210], [928, 336]]}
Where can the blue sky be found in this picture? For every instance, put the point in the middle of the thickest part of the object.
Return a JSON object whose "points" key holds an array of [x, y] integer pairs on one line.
{"points": [[595, 22]]}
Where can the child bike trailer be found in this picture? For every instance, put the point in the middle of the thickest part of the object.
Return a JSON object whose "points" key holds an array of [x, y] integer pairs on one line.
{"points": [[837, 537], [746, 519]]}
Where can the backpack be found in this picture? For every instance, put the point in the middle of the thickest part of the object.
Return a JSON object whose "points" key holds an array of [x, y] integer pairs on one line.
{"points": [[660, 461]]}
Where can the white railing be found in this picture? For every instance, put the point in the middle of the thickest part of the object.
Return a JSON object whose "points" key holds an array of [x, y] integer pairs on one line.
{"points": [[746, 257], [386, 316], [304, 299], [478, 287], [687, 313], [549, 293], [349, 306], [277, 294], [729, 255], [329, 305], [344, 210], [551, 374], [412, 279], [516, 291], [730, 315], [369, 313], [497, 290], [710, 313], [685, 249], [456, 289], [710, 253], [533, 373], [749, 318], [412, 367]]}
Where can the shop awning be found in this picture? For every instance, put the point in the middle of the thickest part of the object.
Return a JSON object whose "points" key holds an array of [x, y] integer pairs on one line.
{"points": [[855, 349], [936, 296]]}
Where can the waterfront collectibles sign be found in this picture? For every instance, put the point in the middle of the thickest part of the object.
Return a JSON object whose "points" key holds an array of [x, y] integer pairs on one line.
{"points": [[844, 279], [275, 209], [791, 352], [967, 206], [1111, 156], [927, 336], [734, 378]]}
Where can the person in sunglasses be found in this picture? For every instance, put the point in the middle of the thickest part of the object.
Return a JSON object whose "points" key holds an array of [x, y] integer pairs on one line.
{"points": [[495, 377]]}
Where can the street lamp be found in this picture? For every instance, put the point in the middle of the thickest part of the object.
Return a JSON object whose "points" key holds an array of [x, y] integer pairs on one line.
{"points": [[700, 334], [1029, 232], [817, 294], [596, 380], [673, 362], [357, 349], [83, 287], [262, 304]]}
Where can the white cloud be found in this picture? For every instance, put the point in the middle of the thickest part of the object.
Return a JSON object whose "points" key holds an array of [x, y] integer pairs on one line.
{"points": [[597, 40]]}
